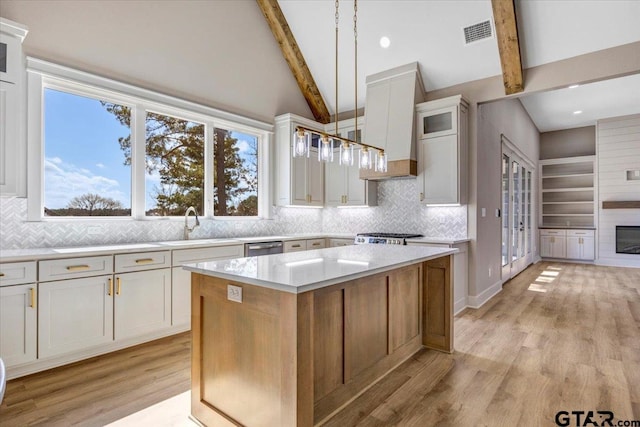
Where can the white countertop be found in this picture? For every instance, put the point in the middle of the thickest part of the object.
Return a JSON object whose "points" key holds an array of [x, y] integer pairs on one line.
{"points": [[438, 240], [298, 272]]}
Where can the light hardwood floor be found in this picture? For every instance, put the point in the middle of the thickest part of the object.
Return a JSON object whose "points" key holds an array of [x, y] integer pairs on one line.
{"points": [[558, 337]]}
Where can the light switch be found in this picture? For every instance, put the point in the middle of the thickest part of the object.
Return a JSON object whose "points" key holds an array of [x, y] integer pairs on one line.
{"points": [[483, 212]]}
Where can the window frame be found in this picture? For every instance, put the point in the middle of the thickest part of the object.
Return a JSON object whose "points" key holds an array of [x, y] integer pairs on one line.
{"points": [[43, 75]]}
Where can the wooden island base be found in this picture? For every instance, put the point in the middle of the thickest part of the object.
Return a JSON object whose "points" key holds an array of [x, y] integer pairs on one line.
{"points": [[285, 359]]}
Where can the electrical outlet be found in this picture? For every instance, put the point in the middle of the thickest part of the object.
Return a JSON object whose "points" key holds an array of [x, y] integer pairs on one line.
{"points": [[483, 212], [94, 229], [489, 271], [234, 293]]}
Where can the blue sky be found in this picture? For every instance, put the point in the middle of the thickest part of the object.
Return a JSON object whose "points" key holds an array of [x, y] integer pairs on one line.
{"points": [[82, 154]]}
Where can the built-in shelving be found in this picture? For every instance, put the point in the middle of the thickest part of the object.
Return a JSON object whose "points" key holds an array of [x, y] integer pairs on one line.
{"points": [[568, 192]]}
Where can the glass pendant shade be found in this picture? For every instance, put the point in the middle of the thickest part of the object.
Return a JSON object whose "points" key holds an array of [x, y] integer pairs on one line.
{"points": [[381, 162], [301, 142], [365, 161], [325, 151], [346, 154]]}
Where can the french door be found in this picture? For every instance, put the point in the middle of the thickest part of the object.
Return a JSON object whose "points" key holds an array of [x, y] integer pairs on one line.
{"points": [[517, 205]]}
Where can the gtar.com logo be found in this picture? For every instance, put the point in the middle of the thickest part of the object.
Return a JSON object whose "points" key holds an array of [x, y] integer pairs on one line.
{"points": [[590, 418]]}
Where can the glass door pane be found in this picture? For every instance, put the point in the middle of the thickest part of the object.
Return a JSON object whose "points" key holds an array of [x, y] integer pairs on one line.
{"points": [[505, 210], [515, 227], [523, 212], [529, 194]]}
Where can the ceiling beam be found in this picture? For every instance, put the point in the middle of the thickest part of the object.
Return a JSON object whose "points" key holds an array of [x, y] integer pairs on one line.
{"points": [[504, 16], [291, 52]]}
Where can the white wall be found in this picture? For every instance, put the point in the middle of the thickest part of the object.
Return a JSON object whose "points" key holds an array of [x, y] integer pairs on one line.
{"points": [[506, 117], [618, 150], [217, 53]]}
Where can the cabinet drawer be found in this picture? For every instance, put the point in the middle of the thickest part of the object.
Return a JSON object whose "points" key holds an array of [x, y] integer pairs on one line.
{"points": [[295, 245], [17, 273], [142, 261], [549, 232], [580, 233], [316, 244], [59, 269], [185, 256], [333, 243]]}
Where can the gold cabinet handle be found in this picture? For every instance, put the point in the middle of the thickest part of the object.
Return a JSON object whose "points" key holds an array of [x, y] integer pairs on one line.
{"points": [[77, 267], [118, 286], [32, 297], [110, 287], [295, 246], [315, 244], [144, 261], [1, 274]]}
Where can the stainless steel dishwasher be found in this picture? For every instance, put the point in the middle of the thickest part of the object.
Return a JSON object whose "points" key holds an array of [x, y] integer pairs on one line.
{"points": [[263, 248]]}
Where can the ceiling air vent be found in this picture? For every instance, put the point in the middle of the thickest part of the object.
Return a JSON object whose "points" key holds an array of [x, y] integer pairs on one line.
{"points": [[477, 32]]}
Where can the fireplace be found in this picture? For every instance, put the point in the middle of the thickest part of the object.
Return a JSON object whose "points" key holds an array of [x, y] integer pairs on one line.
{"points": [[628, 239]]}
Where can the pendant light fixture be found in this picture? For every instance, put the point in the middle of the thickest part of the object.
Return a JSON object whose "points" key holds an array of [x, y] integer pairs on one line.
{"points": [[369, 156]]}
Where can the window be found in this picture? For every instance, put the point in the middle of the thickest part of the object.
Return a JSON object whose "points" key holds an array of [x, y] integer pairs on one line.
{"points": [[86, 171], [174, 166], [235, 174], [114, 150]]}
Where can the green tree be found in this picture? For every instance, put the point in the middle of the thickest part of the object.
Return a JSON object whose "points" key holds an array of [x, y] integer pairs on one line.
{"points": [[92, 202], [175, 151]]}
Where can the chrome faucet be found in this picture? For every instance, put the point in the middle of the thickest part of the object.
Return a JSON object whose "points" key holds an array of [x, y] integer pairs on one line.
{"points": [[188, 229]]}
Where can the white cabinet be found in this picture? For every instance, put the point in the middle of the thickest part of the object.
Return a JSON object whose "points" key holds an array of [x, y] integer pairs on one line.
{"points": [[181, 278], [18, 313], [578, 244], [142, 303], [304, 245], [12, 114], [343, 186], [74, 315], [299, 181], [334, 243], [442, 151], [553, 243], [581, 244]]}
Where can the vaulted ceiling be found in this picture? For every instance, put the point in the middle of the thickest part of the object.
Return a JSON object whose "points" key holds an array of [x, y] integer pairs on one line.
{"points": [[431, 33]]}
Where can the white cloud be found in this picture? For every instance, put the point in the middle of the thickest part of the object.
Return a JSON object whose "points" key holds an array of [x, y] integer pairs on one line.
{"points": [[64, 181], [100, 165], [243, 146]]}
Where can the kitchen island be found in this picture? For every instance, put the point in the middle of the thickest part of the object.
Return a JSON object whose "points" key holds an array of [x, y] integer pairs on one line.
{"points": [[289, 339]]}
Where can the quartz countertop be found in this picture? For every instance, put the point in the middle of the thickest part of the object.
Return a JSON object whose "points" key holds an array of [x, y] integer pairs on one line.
{"points": [[30, 254], [438, 240], [298, 272]]}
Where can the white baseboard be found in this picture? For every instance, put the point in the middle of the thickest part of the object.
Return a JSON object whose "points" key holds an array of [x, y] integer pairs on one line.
{"points": [[484, 296], [613, 262], [460, 305]]}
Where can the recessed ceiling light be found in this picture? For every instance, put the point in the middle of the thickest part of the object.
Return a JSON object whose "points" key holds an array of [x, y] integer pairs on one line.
{"points": [[573, 86], [577, 112], [385, 42]]}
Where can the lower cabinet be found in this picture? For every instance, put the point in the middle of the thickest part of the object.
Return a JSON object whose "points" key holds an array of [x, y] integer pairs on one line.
{"points": [[304, 245], [18, 327], [142, 302], [74, 314], [567, 244], [333, 243]]}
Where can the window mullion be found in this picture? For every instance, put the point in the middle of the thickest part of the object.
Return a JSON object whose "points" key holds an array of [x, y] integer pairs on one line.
{"points": [[208, 169], [138, 154]]}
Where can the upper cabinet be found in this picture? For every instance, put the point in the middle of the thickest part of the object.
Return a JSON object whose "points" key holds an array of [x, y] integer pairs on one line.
{"points": [[442, 151], [343, 186], [299, 181], [12, 114]]}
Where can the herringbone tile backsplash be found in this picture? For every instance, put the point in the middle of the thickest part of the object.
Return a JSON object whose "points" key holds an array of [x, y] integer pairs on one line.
{"points": [[398, 211]]}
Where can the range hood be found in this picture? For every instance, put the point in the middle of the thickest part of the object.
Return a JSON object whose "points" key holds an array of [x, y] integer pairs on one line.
{"points": [[389, 116]]}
